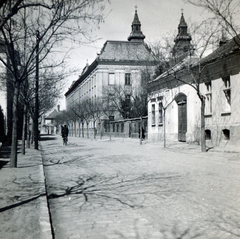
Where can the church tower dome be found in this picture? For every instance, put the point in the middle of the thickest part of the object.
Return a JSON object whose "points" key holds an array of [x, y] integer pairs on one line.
{"points": [[182, 40], [136, 34]]}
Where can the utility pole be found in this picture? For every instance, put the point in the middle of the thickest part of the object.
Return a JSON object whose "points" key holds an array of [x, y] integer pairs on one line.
{"points": [[36, 93]]}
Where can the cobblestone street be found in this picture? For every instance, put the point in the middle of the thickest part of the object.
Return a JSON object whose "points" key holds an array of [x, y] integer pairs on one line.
{"points": [[121, 189]]}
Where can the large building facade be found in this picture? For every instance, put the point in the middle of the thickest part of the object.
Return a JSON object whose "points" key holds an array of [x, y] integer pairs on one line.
{"points": [[119, 63]]}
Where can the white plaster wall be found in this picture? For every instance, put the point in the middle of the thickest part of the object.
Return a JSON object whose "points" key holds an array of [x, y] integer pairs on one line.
{"points": [[171, 117], [231, 119]]}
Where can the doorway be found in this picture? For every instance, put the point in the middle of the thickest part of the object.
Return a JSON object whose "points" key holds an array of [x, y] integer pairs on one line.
{"points": [[181, 100]]}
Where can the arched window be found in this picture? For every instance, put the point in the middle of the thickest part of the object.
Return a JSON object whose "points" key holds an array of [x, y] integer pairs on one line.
{"points": [[208, 134]]}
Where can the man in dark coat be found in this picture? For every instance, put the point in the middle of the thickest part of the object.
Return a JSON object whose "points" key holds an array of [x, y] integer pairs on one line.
{"points": [[65, 131]]}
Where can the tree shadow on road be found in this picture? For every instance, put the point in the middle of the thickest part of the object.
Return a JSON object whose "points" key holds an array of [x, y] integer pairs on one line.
{"points": [[21, 202], [20, 190], [46, 137]]}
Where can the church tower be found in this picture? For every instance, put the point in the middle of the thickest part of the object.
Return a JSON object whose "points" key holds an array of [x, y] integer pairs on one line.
{"points": [[182, 41], [136, 34]]}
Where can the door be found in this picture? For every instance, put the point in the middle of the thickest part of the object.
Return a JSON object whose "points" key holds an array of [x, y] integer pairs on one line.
{"points": [[182, 120]]}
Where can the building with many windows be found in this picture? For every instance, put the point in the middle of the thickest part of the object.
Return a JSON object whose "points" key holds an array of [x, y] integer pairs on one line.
{"points": [[118, 63], [174, 109]]}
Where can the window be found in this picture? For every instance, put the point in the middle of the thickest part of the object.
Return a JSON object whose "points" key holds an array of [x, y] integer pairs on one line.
{"points": [[227, 94], [226, 134], [111, 78], [208, 134], [153, 114], [127, 78], [160, 113], [208, 103], [208, 106], [227, 82]]}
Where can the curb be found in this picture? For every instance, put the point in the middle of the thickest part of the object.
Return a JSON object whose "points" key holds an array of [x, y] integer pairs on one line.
{"points": [[44, 210]]}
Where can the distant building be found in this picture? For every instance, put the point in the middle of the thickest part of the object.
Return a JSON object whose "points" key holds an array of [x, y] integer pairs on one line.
{"points": [[49, 125], [180, 104], [118, 63]]}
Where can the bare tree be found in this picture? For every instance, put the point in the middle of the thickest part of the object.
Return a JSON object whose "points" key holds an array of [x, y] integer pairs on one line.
{"points": [[8, 11], [223, 12], [94, 110], [72, 119], [108, 109], [55, 22], [79, 110], [127, 102]]}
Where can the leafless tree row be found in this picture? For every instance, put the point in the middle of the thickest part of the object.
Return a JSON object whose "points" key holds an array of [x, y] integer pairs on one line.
{"points": [[32, 33]]}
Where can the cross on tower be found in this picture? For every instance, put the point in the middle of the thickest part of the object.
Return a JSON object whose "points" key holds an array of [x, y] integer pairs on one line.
{"points": [[182, 10], [136, 8]]}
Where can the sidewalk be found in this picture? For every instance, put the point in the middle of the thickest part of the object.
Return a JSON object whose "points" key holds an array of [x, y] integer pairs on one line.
{"points": [[23, 203], [225, 147]]}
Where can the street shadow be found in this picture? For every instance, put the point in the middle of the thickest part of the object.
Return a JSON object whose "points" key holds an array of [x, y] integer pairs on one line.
{"points": [[3, 163], [46, 137], [21, 203]]}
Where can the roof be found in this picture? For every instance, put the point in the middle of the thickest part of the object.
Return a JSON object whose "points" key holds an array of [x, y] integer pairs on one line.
{"points": [[125, 51], [182, 22], [52, 115], [136, 34], [182, 35], [118, 53], [232, 47], [187, 61], [229, 47]]}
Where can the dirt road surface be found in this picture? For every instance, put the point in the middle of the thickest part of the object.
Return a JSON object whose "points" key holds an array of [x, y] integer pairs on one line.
{"points": [[120, 189]]}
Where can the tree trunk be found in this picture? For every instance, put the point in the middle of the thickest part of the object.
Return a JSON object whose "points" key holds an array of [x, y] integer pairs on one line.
{"points": [[24, 129], [13, 159], [140, 130], [164, 129], [28, 131], [83, 130], [110, 134], [87, 131], [32, 132], [203, 141], [79, 127], [100, 129], [94, 131], [75, 128], [36, 112]]}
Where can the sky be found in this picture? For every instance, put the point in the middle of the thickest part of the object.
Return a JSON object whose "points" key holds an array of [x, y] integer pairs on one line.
{"points": [[157, 17]]}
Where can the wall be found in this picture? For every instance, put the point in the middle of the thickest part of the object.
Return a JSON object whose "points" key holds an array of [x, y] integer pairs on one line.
{"points": [[224, 117], [156, 133]]}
